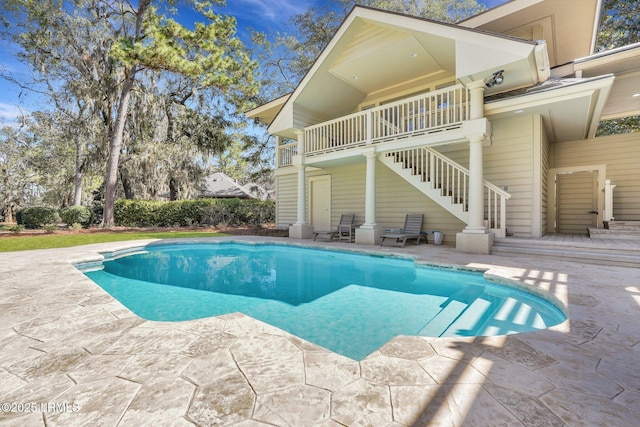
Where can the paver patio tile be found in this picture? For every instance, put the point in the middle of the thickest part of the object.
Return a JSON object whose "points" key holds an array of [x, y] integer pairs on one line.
{"points": [[329, 370], [300, 405], [362, 403], [382, 369], [270, 362], [225, 400], [86, 404], [159, 401], [527, 408], [583, 409]]}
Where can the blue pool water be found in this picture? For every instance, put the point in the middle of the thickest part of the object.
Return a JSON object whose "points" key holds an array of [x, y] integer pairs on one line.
{"points": [[349, 303]]}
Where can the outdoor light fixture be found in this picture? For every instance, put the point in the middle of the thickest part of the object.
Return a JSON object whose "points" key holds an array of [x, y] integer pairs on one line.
{"points": [[496, 79]]}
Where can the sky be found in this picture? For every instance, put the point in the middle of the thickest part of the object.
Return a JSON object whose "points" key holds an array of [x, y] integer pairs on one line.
{"points": [[268, 16]]}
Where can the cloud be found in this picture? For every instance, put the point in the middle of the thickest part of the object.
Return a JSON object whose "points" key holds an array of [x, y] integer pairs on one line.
{"points": [[253, 11], [9, 114]]}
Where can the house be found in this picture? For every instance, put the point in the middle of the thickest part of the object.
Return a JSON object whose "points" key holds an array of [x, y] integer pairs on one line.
{"points": [[487, 127], [220, 186]]}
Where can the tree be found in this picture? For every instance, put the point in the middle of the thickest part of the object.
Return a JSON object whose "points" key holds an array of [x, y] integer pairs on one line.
{"points": [[211, 52], [18, 177], [619, 26], [136, 42]]}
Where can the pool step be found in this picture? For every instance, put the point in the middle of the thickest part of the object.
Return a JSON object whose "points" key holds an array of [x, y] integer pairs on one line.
{"points": [[610, 253]]}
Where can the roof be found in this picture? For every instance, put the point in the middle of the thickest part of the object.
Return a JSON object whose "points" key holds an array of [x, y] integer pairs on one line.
{"points": [[376, 52], [569, 27], [570, 108], [218, 186]]}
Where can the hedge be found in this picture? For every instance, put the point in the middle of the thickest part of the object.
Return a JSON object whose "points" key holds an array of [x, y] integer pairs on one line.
{"points": [[37, 216], [76, 215], [144, 213]]}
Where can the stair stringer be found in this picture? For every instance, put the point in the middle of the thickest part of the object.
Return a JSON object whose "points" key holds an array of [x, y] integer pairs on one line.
{"points": [[435, 194]]}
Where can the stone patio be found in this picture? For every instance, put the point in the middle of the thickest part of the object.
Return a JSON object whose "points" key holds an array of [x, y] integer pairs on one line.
{"points": [[70, 355]]}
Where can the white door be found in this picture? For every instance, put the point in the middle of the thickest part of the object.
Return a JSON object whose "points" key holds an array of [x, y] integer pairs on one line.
{"points": [[320, 199], [576, 204]]}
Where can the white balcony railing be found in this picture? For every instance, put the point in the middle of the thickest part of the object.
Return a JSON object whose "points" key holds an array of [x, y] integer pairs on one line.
{"points": [[429, 112], [285, 154]]}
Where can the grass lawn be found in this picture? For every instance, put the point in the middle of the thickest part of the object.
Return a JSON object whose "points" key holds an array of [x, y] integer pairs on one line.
{"points": [[47, 241]]}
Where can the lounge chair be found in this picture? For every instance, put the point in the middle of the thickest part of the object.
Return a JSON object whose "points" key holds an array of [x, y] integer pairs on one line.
{"points": [[411, 230], [344, 230]]}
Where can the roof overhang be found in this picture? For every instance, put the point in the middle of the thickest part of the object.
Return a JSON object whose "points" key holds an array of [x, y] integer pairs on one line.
{"points": [[569, 27], [267, 112], [379, 52], [624, 62], [570, 111]]}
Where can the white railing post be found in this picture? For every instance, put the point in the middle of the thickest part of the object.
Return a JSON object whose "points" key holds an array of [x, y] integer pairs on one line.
{"points": [[278, 154], [368, 118], [503, 217], [608, 200]]}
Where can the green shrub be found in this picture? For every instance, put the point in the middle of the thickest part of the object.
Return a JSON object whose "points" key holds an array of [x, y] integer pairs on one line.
{"points": [[97, 210], [16, 228], [76, 214], [49, 228], [142, 213], [19, 216], [75, 227], [38, 216]]}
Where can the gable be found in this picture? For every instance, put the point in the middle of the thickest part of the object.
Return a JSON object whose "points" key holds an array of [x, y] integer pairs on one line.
{"points": [[378, 52]]}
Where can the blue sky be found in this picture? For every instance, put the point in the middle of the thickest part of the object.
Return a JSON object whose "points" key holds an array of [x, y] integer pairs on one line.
{"points": [[263, 15]]}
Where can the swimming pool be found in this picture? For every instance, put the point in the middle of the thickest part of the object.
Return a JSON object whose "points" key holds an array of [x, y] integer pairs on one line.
{"points": [[350, 303]]}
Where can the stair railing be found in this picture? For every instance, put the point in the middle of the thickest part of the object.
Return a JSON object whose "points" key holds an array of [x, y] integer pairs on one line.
{"points": [[452, 179]]}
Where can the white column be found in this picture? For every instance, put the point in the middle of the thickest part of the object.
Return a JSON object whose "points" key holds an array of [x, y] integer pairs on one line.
{"points": [[369, 233], [476, 101], [301, 230], [370, 191], [300, 164], [476, 187], [476, 177], [475, 238]]}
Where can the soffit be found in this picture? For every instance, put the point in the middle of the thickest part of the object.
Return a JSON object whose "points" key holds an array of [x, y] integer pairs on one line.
{"points": [[571, 108], [568, 26], [267, 112], [624, 63]]}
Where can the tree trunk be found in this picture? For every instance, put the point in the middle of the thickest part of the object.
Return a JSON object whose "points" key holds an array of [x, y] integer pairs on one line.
{"points": [[77, 179], [8, 214], [115, 145], [127, 186], [173, 189]]}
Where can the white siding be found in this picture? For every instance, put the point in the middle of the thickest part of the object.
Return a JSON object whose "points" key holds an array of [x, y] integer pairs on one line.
{"points": [[395, 198], [286, 200], [545, 165], [508, 162], [621, 154], [347, 191]]}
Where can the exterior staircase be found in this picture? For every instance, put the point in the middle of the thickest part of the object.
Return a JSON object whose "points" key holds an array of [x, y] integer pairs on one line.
{"points": [[447, 183], [574, 248]]}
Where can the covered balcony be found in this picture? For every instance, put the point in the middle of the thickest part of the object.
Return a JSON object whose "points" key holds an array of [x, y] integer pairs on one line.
{"points": [[426, 114]]}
